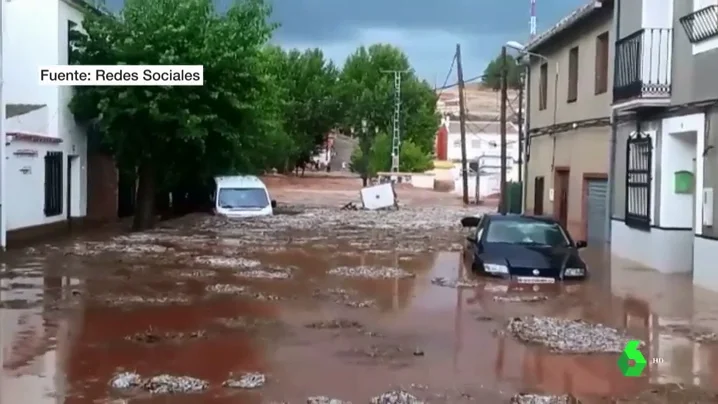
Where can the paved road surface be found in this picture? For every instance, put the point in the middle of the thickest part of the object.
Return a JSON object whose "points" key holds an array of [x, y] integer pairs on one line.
{"points": [[344, 147]]}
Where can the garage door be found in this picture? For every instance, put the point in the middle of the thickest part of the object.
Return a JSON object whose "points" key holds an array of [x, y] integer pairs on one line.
{"points": [[596, 206]]}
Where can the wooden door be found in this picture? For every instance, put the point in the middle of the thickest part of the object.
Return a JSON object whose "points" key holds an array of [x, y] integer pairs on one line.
{"points": [[561, 197]]}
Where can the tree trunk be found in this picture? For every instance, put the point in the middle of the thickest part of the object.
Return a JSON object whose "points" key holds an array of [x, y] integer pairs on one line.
{"points": [[145, 205], [364, 180]]}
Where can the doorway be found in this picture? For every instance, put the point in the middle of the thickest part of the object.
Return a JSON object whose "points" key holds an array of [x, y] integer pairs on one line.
{"points": [[538, 195], [560, 201]]}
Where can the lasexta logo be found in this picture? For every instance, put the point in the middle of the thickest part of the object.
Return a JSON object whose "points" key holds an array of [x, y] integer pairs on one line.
{"points": [[632, 362]]}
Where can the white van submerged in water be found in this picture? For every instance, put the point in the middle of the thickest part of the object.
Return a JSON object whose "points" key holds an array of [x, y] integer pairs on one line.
{"points": [[242, 196]]}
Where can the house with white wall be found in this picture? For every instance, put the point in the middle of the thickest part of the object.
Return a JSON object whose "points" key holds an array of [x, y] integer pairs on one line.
{"points": [[483, 144], [483, 153], [45, 172], [665, 98]]}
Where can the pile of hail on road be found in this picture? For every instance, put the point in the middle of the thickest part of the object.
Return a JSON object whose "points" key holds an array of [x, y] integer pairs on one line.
{"points": [[250, 380], [568, 336]]}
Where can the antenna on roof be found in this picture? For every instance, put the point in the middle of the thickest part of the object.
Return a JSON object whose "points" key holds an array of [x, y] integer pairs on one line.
{"points": [[532, 20]]}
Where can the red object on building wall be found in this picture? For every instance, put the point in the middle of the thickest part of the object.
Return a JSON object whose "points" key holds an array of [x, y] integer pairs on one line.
{"points": [[442, 137]]}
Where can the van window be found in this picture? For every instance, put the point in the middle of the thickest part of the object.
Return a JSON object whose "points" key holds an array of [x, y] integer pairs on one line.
{"points": [[242, 198]]}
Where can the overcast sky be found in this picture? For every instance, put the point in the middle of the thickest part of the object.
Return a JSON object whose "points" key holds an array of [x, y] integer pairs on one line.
{"points": [[427, 30]]}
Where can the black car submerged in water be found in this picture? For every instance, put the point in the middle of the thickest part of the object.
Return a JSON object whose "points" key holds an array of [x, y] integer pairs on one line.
{"points": [[527, 249]]}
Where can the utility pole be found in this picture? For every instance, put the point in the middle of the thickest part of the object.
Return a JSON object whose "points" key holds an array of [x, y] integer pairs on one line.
{"points": [[520, 119], [504, 100], [462, 122], [396, 136]]}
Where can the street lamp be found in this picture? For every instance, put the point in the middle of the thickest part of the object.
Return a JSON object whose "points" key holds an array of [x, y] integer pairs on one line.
{"points": [[522, 50]]}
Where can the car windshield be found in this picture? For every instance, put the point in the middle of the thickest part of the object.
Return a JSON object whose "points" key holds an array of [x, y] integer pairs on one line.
{"points": [[526, 231], [242, 198]]}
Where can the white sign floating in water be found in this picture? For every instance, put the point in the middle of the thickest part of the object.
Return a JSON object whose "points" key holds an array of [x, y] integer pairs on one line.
{"points": [[380, 196]]}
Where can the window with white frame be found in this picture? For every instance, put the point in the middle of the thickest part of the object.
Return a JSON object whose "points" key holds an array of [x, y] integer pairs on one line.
{"points": [[476, 144]]}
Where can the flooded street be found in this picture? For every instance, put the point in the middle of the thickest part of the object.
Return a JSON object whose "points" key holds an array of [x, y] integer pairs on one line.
{"points": [[318, 302]]}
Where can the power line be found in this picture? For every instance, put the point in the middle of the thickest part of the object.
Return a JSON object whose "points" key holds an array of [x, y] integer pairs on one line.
{"points": [[491, 122], [470, 80], [446, 80]]}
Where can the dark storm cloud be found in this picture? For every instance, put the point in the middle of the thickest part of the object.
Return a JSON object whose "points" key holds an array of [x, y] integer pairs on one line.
{"points": [[427, 30], [336, 20]]}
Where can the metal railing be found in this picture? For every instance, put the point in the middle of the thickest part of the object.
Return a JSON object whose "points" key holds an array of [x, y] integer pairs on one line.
{"points": [[643, 65], [702, 24]]}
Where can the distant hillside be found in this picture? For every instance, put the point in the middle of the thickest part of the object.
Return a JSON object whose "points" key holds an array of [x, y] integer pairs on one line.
{"points": [[481, 103]]}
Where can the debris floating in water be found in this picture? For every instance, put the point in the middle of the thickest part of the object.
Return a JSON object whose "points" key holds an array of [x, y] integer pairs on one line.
{"points": [[126, 380], [168, 384], [265, 274], [226, 262], [568, 336], [396, 397], [251, 380], [161, 384], [343, 296], [520, 299], [326, 400], [454, 283], [370, 272], [152, 336], [543, 399], [227, 289]]}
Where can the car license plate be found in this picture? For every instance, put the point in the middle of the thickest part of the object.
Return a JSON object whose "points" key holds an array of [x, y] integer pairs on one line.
{"points": [[534, 279]]}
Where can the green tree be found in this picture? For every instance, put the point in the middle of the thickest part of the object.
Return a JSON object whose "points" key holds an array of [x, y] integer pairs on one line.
{"points": [[310, 107], [221, 127], [367, 93], [492, 73]]}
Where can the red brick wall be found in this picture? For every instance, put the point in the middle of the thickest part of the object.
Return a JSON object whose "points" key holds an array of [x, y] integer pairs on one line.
{"points": [[101, 188]]}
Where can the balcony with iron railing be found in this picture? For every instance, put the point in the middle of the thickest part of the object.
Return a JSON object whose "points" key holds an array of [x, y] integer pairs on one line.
{"points": [[642, 74], [701, 25]]}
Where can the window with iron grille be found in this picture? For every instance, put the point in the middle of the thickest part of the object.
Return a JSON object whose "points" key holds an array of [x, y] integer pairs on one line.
{"points": [[639, 154], [53, 183], [701, 24]]}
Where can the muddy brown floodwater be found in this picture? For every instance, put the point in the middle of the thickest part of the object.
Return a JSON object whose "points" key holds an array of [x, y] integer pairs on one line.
{"points": [[328, 304]]}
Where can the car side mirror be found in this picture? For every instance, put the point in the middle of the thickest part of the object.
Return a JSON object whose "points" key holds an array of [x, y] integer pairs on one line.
{"points": [[581, 244], [274, 204], [470, 221]]}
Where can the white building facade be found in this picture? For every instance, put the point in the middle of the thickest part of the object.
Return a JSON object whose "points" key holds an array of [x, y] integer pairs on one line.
{"points": [[666, 163], [44, 173], [483, 145]]}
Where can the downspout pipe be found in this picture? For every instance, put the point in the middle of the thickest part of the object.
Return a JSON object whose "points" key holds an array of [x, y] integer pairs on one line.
{"points": [[614, 134], [527, 134]]}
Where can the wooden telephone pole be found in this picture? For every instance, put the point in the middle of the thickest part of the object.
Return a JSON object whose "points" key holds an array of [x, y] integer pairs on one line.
{"points": [[462, 122], [503, 202]]}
